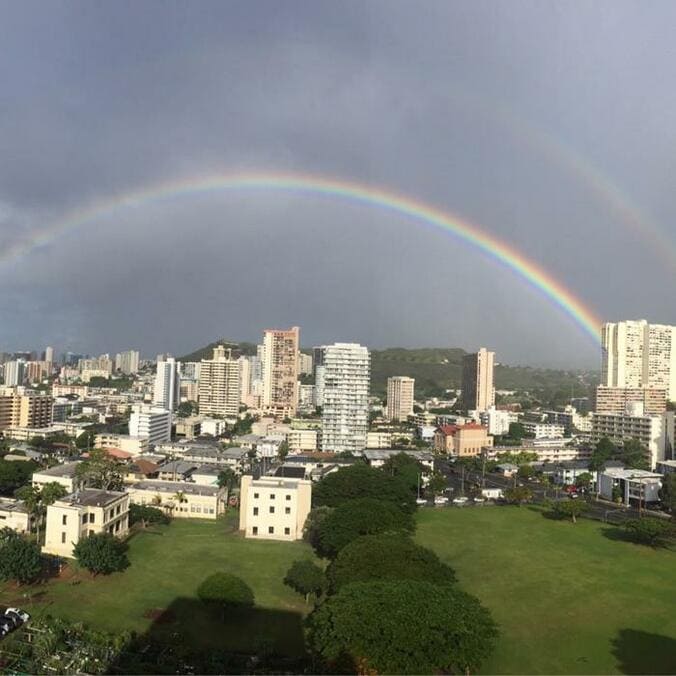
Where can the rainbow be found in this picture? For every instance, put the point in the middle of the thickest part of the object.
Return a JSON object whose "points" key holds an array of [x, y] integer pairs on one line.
{"points": [[368, 195]]}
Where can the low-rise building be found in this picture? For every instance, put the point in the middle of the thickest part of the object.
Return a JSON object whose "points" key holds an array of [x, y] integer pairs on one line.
{"points": [[14, 515], [61, 474], [544, 430], [462, 440], [633, 485], [188, 428], [151, 422], [274, 508], [377, 457], [125, 442], [83, 513], [181, 499], [213, 427], [234, 457], [301, 440]]}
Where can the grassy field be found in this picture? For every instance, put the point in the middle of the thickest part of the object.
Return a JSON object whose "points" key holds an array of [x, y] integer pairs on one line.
{"points": [[167, 565], [570, 599]]}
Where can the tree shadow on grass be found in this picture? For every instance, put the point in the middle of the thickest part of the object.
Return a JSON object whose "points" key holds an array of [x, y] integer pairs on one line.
{"points": [[639, 652], [617, 534], [188, 637]]}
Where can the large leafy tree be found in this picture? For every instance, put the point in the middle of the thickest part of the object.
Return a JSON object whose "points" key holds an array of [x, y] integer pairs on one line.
{"points": [[668, 493], [313, 528], [101, 553], [362, 481], [386, 556], [37, 499], [604, 450], [145, 514], [361, 517], [224, 591], [405, 467], [99, 470], [13, 475], [518, 495], [401, 627], [305, 578], [437, 484], [584, 480], [650, 531], [569, 509], [20, 558]]}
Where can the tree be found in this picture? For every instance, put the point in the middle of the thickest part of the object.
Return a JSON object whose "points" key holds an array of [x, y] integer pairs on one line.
{"points": [[85, 440], [400, 627], [99, 470], [361, 481], [283, 450], [186, 409], [101, 553], [518, 495], [386, 556], [361, 517], [583, 481], [668, 493], [20, 558], [178, 498], [604, 451], [516, 431], [633, 455], [227, 479], [525, 471], [650, 531], [312, 529], [37, 499], [146, 514], [13, 475], [305, 578], [224, 591], [562, 509], [437, 484], [51, 492]]}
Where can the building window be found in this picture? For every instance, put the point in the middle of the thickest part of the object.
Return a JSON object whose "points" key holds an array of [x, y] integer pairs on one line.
{"points": [[255, 511], [84, 518], [63, 538], [287, 531], [255, 530], [272, 510], [271, 530], [117, 511], [255, 495], [288, 497], [272, 496], [64, 519], [287, 510], [91, 518]]}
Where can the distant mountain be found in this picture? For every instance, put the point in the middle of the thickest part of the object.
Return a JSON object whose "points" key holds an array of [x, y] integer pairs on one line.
{"points": [[438, 369]]}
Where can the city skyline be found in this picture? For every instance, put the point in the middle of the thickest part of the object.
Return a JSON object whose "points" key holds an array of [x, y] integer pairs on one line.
{"points": [[491, 115]]}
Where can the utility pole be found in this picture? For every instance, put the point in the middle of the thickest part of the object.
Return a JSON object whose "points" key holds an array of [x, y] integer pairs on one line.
{"points": [[462, 481], [483, 469]]}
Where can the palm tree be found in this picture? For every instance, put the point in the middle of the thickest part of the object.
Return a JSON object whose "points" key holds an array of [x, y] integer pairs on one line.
{"points": [[179, 497], [227, 479]]}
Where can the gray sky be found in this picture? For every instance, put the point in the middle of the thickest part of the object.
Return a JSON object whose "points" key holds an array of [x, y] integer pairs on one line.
{"points": [[549, 125]]}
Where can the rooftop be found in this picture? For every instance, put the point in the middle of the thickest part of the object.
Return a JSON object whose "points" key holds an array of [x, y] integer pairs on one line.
{"points": [[386, 453], [91, 497], [9, 505], [174, 487], [65, 470]]}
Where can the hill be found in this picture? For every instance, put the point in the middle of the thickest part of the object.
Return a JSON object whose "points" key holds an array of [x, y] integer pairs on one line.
{"points": [[438, 369]]}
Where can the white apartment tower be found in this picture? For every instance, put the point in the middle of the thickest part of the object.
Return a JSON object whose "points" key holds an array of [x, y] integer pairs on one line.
{"points": [[219, 388], [127, 362], [345, 412], [150, 422], [15, 372], [400, 397], [167, 384], [280, 371], [638, 354]]}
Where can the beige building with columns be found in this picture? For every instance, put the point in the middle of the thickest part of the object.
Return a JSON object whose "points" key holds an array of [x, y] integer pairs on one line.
{"points": [[85, 512], [273, 508]]}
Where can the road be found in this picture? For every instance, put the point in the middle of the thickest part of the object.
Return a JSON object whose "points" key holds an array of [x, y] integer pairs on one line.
{"points": [[460, 483]]}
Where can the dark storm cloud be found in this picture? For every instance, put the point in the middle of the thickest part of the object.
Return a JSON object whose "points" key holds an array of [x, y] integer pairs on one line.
{"points": [[443, 101]]}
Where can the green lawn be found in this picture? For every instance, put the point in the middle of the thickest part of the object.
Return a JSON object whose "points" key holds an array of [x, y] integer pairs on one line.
{"points": [[568, 598], [167, 565]]}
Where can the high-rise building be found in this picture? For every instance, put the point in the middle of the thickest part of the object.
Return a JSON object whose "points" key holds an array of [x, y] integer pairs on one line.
{"points": [[166, 393], [345, 412], [150, 422], [244, 377], [280, 371], [127, 362], [49, 355], [15, 373], [638, 354], [616, 399], [400, 397], [30, 409], [305, 364], [219, 390], [478, 392]]}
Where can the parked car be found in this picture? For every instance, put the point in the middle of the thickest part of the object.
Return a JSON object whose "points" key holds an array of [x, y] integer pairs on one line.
{"points": [[460, 501], [420, 501], [441, 500], [479, 500], [18, 615]]}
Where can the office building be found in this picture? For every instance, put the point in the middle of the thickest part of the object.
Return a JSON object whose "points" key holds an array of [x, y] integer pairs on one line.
{"points": [[345, 411], [638, 354], [150, 422], [166, 393], [400, 398], [273, 508], [219, 388], [478, 392], [280, 371]]}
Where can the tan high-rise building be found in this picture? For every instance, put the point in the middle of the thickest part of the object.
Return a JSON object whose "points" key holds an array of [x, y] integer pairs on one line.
{"points": [[280, 371], [478, 392], [219, 384], [638, 354], [400, 397], [616, 399], [25, 410]]}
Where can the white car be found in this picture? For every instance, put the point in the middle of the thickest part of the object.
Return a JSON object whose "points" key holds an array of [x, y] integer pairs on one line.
{"points": [[479, 500], [440, 500], [421, 501], [460, 501], [22, 614]]}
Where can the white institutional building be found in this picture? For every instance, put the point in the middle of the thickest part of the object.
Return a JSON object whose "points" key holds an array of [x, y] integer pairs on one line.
{"points": [[150, 422], [345, 412], [639, 354]]}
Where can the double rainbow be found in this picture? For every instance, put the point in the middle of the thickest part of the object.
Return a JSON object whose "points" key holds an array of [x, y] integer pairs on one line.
{"points": [[359, 193]]}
